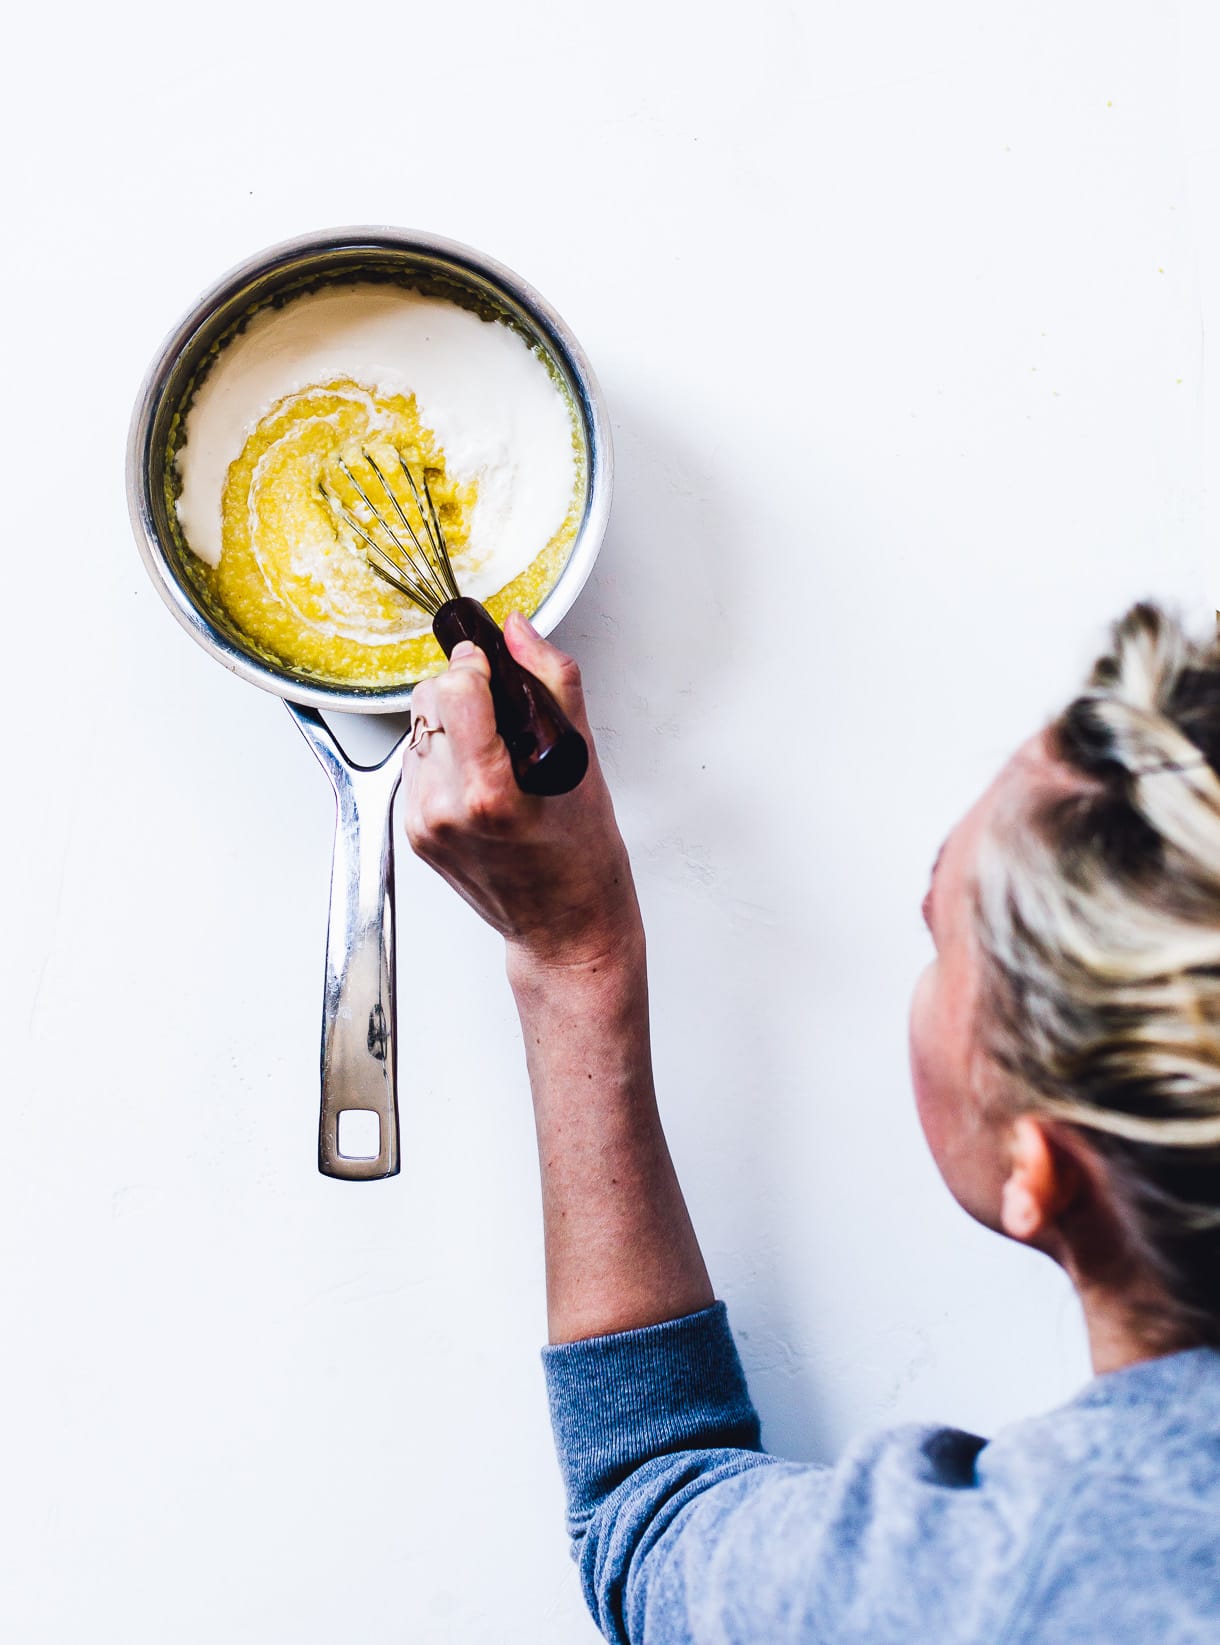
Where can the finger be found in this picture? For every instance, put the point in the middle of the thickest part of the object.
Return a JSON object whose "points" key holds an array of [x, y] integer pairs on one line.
{"points": [[433, 796], [463, 699], [435, 702], [466, 654], [553, 667], [423, 702], [420, 776], [424, 713]]}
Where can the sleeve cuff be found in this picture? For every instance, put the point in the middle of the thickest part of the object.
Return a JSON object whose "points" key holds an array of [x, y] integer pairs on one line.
{"points": [[618, 1400]]}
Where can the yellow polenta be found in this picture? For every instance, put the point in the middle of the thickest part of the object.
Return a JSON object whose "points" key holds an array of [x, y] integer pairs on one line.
{"points": [[295, 577]]}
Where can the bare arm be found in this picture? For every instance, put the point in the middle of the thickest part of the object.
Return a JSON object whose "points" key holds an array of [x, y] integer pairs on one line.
{"points": [[620, 1249], [553, 877]]}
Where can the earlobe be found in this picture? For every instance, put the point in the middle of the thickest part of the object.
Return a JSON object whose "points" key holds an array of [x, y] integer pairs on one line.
{"points": [[1034, 1192], [1020, 1215]]}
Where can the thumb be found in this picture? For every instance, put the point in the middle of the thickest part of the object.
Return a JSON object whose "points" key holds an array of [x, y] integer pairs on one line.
{"points": [[466, 654], [557, 671]]}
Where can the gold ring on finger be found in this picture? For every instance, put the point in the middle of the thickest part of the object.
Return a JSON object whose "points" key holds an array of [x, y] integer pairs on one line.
{"points": [[421, 729]]}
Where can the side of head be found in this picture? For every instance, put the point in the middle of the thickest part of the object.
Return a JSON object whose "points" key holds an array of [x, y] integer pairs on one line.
{"points": [[1078, 991]]}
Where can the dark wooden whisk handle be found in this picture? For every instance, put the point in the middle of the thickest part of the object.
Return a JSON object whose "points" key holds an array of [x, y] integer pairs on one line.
{"points": [[548, 754]]}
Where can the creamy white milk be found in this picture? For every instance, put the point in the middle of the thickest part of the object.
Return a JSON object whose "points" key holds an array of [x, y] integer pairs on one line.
{"points": [[493, 406]]}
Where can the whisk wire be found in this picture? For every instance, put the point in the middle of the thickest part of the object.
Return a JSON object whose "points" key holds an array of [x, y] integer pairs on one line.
{"points": [[442, 546], [390, 571], [432, 526], [426, 562], [421, 570]]}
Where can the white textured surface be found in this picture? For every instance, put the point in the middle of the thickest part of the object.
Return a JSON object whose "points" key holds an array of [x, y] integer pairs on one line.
{"points": [[900, 316]]}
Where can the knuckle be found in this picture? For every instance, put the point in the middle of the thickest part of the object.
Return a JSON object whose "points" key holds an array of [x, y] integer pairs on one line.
{"points": [[485, 807], [568, 682], [461, 685], [413, 825], [442, 828], [418, 836], [435, 821]]}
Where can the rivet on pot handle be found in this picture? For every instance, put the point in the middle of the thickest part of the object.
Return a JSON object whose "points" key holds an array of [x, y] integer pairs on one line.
{"points": [[359, 1060]]}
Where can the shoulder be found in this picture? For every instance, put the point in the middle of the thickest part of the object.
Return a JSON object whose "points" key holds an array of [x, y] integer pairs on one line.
{"points": [[1135, 1548]]}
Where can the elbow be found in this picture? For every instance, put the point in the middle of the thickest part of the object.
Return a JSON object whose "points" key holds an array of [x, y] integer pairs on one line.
{"points": [[624, 1544]]}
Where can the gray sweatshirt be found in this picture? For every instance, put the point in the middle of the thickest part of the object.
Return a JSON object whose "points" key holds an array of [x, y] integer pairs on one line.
{"points": [[1099, 1522]]}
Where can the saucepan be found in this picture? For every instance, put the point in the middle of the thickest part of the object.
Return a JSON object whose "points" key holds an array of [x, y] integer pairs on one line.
{"points": [[359, 1042]]}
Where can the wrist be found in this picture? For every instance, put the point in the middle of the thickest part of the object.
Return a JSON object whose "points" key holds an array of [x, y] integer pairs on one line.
{"points": [[592, 956]]}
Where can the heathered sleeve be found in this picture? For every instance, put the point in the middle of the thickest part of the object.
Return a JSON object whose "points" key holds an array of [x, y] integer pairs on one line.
{"points": [[644, 1420], [686, 1533]]}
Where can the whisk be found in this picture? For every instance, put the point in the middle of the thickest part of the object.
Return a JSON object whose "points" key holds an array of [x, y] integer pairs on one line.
{"points": [[548, 754]]}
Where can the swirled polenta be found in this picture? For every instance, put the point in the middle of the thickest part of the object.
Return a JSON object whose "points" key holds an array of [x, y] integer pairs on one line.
{"points": [[352, 368], [290, 575]]}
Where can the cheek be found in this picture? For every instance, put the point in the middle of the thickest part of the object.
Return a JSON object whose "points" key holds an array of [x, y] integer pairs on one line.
{"points": [[926, 1037], [960, 1143]]}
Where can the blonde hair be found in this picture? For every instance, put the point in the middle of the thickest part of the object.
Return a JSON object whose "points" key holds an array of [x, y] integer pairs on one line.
{"points": [[1097, 914]]}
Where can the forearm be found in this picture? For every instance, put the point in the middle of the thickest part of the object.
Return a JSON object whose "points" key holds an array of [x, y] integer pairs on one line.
{"points": [[620, 1248]]}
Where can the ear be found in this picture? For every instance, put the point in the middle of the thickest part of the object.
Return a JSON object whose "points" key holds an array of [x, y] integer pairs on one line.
{"points": [[1043, 1179]]}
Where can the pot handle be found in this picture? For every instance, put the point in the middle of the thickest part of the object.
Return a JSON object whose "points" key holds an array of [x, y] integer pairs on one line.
{"points": [[359, 1026]]}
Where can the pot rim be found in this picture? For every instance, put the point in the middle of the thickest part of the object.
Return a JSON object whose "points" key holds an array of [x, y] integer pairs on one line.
{"points": [[263, 274]]}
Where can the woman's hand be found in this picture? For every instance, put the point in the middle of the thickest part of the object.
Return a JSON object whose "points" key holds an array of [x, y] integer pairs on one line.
{"points": [[550, 874]]}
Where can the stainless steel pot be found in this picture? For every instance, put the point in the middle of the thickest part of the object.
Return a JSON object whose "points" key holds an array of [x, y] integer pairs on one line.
{"points": [[359, 1063]]}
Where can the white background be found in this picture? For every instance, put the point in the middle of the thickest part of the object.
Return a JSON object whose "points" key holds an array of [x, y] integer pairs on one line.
{"points": [[899, 311]]}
